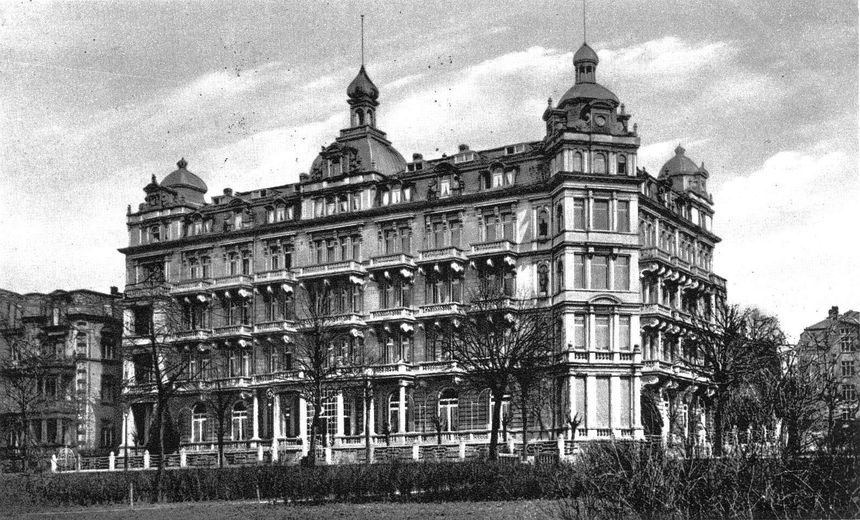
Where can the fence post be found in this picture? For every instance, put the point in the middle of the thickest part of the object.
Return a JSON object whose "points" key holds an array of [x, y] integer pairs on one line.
{"points": [[511, 445], [53, 463], [146, 459], [274, 450], [112, 461], [328, 455], [462, 450], [259, 453], [183, 458], [560, 442], [78, 462], [416, 451]]}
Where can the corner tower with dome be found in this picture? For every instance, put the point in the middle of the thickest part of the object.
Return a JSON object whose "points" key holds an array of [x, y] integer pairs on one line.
{"points": [[568, 221]]}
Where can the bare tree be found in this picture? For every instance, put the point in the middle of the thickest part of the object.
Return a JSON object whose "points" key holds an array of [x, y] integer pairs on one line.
{"points": [[162, 369], [730, 347], [23, 368], [322, 352], [219, 397], [501, 341]]}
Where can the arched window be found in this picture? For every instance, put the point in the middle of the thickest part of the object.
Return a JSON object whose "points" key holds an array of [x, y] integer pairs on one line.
{"points": [[360, 115], [239, 421], [577, 162], [504, 413], [448, 406], [280, 212], [270, 214], [370, 119], [198, 423], [543, 222], [599, 165], [622, 164]]}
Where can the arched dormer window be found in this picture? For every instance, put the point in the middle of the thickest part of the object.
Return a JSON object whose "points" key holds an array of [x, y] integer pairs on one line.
{"points": [[370, 118], [622, 164], [270, 214], [577, 162], [599, 165], [359, 115]]}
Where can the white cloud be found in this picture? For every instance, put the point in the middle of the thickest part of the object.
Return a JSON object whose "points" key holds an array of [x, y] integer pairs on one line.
{"points": [[787, 231]]}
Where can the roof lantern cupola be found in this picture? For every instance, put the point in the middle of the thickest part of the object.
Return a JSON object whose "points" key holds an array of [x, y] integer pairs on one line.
{"points": [[362, 94], [585, 63]]}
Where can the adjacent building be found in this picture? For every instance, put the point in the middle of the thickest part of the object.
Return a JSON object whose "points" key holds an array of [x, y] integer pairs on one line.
{"points": [[72, 398], [833, 347], [568, 220]]}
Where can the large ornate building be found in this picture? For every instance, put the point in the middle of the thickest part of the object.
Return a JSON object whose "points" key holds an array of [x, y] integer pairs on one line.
{"points": [[568, 220], [70, 380]]}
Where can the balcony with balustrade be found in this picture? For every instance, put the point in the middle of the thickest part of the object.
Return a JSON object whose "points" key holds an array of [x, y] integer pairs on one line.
{"points": [[441, 255], [391, 262], [440, 310], [195, 286], [276, 276], [233, 331], [192, 335], [236, 282], [344, 268], [274, 327], [406, 314], [495, 248], [591, 357]]}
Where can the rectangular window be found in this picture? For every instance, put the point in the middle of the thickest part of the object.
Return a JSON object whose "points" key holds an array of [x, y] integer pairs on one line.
{"points": [[508, 226], [600, 215], [849, 392], [846, 341], [624, 333], [579, 271], [579, 331], [356, 248], [489, 228], [848, 368], [455, 233], [623, 401], [622, 273], [622, 219], [601, 402], [578, 213], [601, 332], [599, 272], [405, 241]]}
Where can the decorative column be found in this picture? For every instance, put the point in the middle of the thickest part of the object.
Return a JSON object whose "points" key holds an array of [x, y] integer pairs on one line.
{"points": [[401, 409], [303, 420], [371, 415], [276, 416], [571, 396], [637, 403], [339, 414], [256, 418], [590, 405]]}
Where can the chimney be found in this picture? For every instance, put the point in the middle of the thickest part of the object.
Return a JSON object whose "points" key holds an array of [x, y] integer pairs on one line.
{"points": [[228, 192], [464, 147], [417, 157], [834, 313], [303, 177], [114, 290]]}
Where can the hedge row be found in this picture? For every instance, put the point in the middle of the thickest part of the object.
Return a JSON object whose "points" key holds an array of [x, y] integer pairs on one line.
{"points": [[609, 481]]}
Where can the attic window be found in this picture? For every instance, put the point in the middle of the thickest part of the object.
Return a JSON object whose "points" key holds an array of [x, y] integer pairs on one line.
{"points": [[464, 157], [517, 148]]}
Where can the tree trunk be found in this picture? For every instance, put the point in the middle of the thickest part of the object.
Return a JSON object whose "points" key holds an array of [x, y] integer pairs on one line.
{"points": [[494, 426], [718, 426], [25, 437], [367, 396], [221, 428], [159, 424], [312, 449], [524, 413]]}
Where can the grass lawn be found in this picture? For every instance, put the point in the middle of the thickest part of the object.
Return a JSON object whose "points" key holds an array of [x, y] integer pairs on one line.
{"points": [[515, 510]]}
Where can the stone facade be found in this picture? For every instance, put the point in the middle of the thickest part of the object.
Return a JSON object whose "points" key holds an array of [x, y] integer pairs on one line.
{"points": [[569, 221], [79, 333]]}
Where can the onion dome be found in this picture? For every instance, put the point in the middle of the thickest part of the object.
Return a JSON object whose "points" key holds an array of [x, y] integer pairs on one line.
{"points": [[585, 54], [189, 187], [680, 164], [362, 87], [182, 178]]}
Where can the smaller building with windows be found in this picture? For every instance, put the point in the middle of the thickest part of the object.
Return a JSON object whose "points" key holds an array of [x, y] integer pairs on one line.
{"points": [[73, 401]]}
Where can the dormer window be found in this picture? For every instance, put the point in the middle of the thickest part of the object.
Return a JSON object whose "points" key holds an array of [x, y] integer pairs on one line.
{"points": [[464, 157], [155, 234], [445, 187], [343, 203], [515, 149]]}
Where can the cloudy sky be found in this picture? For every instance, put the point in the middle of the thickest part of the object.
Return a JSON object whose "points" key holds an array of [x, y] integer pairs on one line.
{"points": [[98, 96]]}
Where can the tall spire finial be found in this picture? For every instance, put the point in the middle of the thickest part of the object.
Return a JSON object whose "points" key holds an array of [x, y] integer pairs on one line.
{"points": [[584, 37], [362, 40]]}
